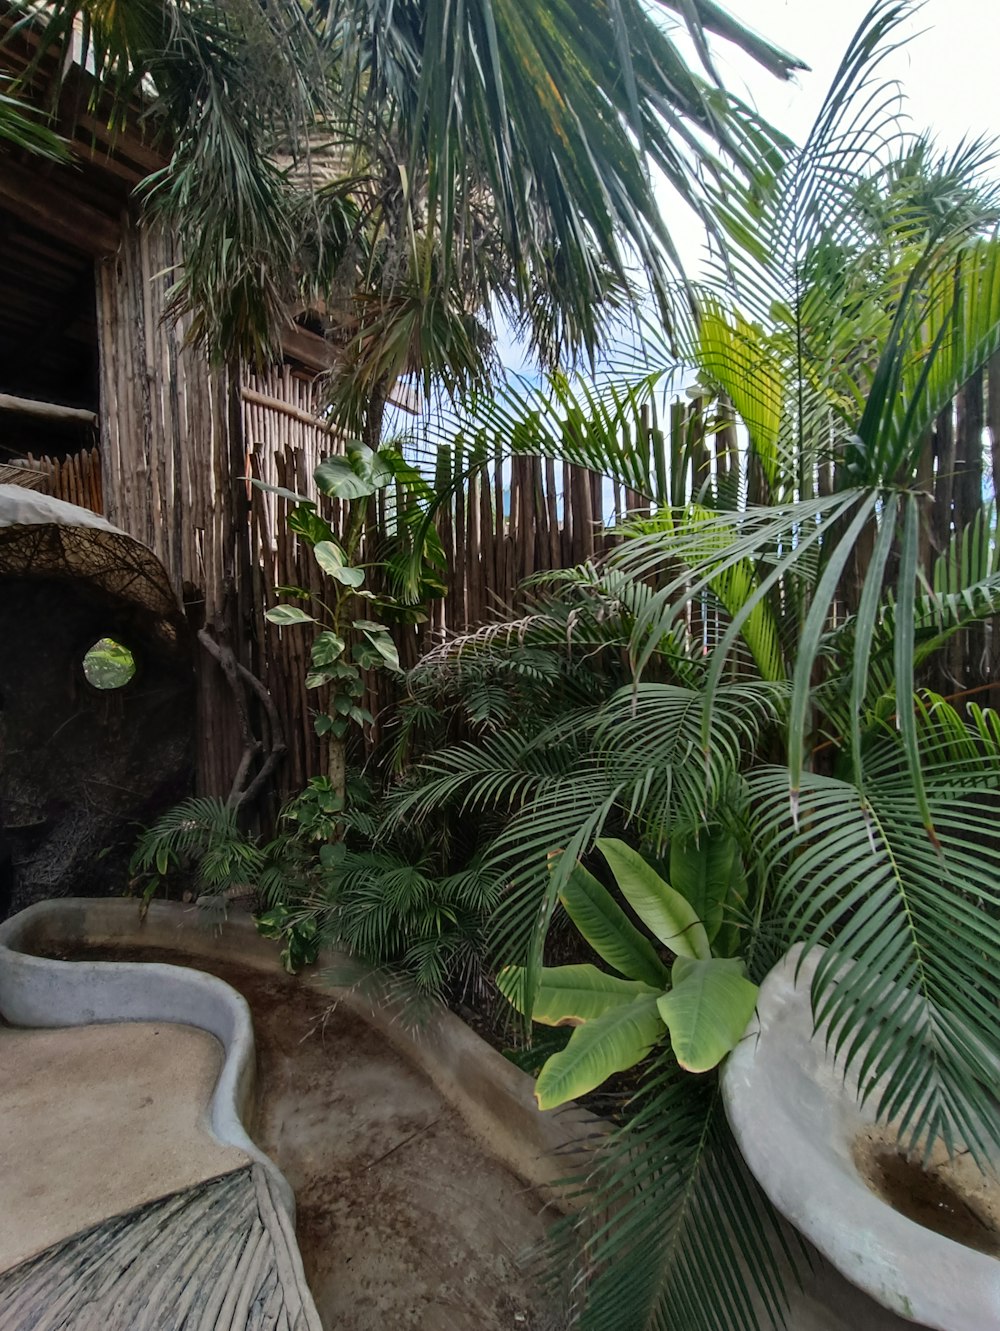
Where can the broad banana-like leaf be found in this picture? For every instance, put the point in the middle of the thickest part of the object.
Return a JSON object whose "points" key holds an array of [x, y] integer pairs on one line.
{"points": [[608, 929], [670, 916], [610, 1043], [706, 1010], [571, 995], [702, 872]]}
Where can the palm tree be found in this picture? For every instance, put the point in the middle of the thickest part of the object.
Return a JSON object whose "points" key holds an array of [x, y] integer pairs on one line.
{"points": [[778, 627], [20, 129], [482, 152]]}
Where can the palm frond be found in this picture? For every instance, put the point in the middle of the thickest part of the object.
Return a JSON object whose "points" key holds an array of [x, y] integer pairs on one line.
{"points": [[912, 944], [676, 1233]]}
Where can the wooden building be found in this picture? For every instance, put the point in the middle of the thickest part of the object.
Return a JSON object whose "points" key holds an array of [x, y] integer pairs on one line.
{"points": [[104, 403]]}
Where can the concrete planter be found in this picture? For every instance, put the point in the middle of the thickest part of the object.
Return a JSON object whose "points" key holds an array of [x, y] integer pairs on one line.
{"points": [[820, 1156], [494, 1098], [39, 992]]}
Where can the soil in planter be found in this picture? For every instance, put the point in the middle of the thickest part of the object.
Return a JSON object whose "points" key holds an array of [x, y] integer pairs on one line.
{"points": [[928, 1196], [403, 1220]]}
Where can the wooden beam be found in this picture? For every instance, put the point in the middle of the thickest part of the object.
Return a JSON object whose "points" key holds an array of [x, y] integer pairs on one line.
{"points": [[308, 349], [286, 409], [46, 411], [317, 354], [49, 205]]}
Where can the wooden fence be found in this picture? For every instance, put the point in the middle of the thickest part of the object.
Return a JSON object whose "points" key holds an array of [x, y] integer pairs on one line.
{"points": [[76, 479], [185, 486]]}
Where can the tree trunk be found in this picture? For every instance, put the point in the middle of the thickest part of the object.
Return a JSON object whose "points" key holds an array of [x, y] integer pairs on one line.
{"points": [[337, 767]]}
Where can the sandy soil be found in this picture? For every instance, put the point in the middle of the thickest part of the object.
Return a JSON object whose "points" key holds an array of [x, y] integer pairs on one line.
{"points": [[95, 1120]]}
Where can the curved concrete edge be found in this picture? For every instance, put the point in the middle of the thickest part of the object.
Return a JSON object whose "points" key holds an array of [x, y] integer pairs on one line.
{"points": [[800, 1152], [38, 992], [494, 1098]]}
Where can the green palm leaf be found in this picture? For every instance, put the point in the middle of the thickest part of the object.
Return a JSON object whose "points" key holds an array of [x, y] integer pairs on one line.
{"points": [[677, 1234], [912, 943]]}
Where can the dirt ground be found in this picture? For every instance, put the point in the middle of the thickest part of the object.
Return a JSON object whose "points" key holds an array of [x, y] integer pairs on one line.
{"points": [[404, 1222]]}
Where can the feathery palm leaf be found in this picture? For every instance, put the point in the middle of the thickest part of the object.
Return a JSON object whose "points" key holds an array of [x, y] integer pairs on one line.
{"points": [[913, 949], [676, 1234]]}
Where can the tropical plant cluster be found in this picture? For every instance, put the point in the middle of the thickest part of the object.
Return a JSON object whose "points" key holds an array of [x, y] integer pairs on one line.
{"points": [[732, 735]]}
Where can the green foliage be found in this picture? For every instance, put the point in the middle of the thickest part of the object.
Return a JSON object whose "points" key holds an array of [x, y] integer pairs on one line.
{"points": [[108, 664], [20, 128], [300, 937], [776, 627], [352, 478], [482, 155], [708, 1000], [201, 832]]}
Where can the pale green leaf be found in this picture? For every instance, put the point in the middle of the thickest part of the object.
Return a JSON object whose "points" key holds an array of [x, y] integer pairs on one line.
{"points": [[288, 614], [608, 929], [670, 916], [706, 1010], [571, 995], [613, 1042], [329, 557]]}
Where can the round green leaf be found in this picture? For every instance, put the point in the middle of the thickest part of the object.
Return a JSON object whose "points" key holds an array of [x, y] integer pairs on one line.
{"points": [[329, 557], [337, 478]]}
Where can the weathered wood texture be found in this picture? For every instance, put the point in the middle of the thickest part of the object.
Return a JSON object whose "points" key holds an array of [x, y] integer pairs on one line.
{"points": [[181, 442], [173, 460], [76, 479]]}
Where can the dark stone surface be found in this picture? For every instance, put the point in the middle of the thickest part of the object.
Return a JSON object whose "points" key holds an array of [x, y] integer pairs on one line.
{"points": [[83, 769]]}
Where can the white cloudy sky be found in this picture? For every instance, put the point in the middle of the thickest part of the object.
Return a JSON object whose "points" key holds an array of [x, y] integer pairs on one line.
{"points": [[948, 70], [946, 65]]}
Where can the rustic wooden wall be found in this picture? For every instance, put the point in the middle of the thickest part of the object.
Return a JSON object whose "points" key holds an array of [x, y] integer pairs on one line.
{"points": [[181, 442], [172, 457]]}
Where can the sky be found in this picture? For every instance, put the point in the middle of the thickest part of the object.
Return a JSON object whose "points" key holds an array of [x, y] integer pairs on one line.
{"points": [[948, 69], [948, 72]]}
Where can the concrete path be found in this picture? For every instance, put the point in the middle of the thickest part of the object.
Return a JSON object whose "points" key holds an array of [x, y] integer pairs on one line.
{"points": [[405, 1221]]}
